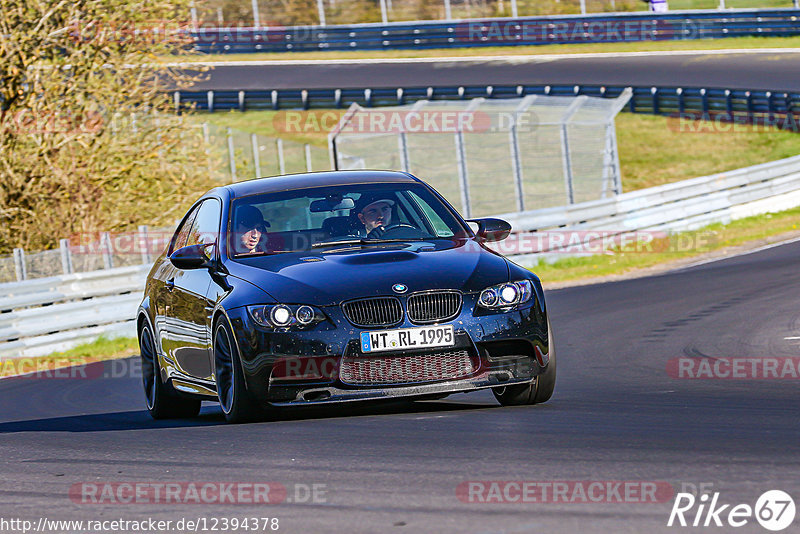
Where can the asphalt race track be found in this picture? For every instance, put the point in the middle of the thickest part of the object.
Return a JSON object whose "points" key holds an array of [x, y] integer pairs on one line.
{"points": [[616, 416], [755, 71]]}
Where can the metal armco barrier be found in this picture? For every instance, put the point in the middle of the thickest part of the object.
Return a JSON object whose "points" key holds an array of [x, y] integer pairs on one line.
{"points": [[50, 314], [599, 28], [675, 207], [699, 102]]}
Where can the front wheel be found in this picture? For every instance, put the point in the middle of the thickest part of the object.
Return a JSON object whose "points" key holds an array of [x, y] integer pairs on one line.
{"points": [[237, 404], [538, 391], [161, 402]]}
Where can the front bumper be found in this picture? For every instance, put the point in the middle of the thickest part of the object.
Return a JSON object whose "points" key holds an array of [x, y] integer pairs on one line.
{"points": [[507, 348]]}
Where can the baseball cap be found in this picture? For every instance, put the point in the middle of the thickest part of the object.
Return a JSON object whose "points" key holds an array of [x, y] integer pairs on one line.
{"points": [[366, 200], [250, 217]]}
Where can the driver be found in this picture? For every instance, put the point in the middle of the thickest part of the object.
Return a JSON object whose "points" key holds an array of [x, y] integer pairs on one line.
{"points": [[375, 213]]}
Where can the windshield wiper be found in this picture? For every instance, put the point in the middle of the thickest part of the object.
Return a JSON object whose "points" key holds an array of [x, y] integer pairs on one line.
{"points": [[334, 243], [364, 241]]}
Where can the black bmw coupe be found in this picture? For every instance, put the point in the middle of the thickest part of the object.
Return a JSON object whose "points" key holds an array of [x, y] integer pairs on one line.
{"points": [[339, 286]]}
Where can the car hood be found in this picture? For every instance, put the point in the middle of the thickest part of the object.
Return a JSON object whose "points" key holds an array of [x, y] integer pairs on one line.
{"points": [[332, 275]]}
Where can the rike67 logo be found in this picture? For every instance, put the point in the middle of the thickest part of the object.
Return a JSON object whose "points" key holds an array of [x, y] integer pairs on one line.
{"points": [[774, 510]]}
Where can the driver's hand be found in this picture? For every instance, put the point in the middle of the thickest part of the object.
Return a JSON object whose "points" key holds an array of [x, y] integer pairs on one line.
{"points": [[376, 233]]}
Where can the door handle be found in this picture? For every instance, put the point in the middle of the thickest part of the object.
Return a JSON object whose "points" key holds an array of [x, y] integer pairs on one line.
{"points": [[170, 284]]}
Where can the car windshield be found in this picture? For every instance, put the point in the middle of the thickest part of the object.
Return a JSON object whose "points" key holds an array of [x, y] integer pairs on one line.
{"points": [[354, 215]]}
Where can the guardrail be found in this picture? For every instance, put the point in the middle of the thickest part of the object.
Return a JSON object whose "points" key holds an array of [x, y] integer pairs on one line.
{"points": [[50, 314], [675, 207], [700, 101], [564, 29]]}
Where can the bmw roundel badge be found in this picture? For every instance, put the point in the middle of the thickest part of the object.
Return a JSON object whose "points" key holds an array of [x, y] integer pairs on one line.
{"points": [[400, 288]]}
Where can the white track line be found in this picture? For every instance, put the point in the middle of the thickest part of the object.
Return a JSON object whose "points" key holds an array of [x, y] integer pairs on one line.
{"points": [[745, 253], [532, 58]]}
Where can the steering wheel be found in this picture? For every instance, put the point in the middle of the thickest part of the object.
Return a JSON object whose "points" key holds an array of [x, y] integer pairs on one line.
{"points": [[393, 229]]}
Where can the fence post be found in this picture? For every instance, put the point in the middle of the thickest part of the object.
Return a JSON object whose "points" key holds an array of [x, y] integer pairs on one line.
{"points": [[307, 148], [463, 177], [321, 12], [448, 13], [281, 161], [256, 21], [66, 256], [654, 92], [241, 100], [144, 244], [565, 150], [402, 145], [193, 11], [231, 156], [176, 98], [19, 264], [514, 12], [105, 245], [384, 12], [210, 97], [516, 162], [583, 7], [256, 158]]}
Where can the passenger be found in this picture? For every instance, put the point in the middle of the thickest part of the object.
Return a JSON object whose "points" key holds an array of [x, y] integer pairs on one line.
{"points": [[251, 231]]}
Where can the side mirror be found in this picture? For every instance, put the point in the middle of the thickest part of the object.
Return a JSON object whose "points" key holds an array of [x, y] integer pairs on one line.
{"points": [[491, 229], [191, 257]]}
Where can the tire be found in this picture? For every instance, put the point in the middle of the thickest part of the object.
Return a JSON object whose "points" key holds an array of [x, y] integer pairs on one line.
{"points": [[538, 391], [161, 400], [237, 404]]}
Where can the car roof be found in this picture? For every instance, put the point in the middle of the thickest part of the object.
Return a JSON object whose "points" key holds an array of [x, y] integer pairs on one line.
{"points": [[316, 179]]}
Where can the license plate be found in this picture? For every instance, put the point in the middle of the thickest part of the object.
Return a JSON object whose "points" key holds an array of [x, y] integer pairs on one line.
{"points": [[408, 338]]}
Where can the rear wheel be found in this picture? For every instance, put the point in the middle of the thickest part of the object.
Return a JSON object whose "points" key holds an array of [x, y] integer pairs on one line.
{"points": [[538, 391], [162, 402], [237, 404]]}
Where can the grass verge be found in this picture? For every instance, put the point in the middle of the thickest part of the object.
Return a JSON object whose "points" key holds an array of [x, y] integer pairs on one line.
{"points": [[99, 350], [587, 48], [677, 247]]}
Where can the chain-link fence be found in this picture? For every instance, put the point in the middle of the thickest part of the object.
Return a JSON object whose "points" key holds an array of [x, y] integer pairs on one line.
{"points": [[271, 13], [492, 156], [235, 155], [85, 253]]}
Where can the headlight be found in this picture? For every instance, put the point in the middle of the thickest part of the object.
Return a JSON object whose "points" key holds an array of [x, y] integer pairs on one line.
{"points": [[506, 295], [285, 315]]}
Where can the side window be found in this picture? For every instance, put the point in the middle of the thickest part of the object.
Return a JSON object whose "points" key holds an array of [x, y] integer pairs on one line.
{"points": [[182, 233], [205, 227]]}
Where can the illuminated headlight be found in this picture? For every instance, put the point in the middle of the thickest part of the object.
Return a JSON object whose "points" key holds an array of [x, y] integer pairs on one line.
{"points": [[506, 295], [509, 294], [280, 316], [285, 315]]}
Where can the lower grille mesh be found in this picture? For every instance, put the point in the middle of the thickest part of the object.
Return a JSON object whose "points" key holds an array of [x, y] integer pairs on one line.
{"points": [[417, 368]]}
